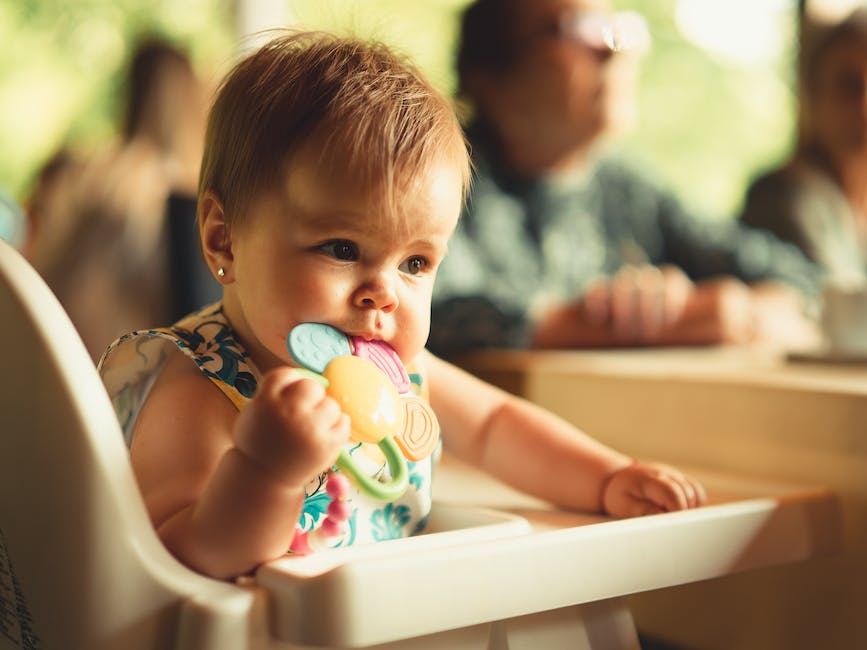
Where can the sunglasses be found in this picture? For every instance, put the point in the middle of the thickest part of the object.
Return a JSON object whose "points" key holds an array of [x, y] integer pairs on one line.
{"points": [[615, 32]]}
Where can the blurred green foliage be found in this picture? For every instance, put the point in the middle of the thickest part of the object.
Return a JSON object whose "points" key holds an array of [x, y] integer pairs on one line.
{"points": [[705, 124], [62, 66], [708, 124]]}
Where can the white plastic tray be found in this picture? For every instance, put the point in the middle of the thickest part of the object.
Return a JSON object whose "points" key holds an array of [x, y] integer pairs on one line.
{"points": [[497, 570]]}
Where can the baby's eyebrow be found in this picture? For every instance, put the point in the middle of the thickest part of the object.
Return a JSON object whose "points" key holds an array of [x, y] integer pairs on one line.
{"points": [[331, 225], [434, 243]]}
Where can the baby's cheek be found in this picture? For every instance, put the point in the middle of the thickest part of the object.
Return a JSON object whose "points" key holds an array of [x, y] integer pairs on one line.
{"points": [[408, 350], [412, 335]]}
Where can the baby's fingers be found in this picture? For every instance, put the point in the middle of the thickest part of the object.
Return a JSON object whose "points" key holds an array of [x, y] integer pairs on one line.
{"points": [[667, 494], [303, 397], [291, 426], [291, 387], [671, 490], [316, 415], [648, 488], [697, 492], [638, 507]]}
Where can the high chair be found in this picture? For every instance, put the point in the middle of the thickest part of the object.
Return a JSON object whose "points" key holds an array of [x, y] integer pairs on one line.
{"points": [[80, 564], [82, 568]]}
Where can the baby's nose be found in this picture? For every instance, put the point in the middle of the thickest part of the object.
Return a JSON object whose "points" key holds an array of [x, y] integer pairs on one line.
{"points": [[377, 293]]}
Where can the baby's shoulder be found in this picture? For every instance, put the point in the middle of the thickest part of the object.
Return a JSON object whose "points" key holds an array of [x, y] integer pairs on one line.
{"points": [[180, 372], [182, 398]]}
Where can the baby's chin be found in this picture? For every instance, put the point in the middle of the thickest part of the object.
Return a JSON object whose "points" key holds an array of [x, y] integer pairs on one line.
{"points": [[409, 357], [408, 351]]}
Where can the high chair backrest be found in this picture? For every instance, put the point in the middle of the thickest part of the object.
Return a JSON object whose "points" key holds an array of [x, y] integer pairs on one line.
{"points": [[80, 564]]}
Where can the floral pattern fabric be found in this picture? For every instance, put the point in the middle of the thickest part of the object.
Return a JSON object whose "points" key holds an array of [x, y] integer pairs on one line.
{"points": [[131, 364]]}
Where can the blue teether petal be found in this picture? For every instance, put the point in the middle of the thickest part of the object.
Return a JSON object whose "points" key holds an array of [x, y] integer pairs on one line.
{"points": [[314, 345]]}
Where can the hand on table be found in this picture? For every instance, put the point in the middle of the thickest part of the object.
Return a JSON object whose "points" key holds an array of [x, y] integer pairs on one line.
{"points": [[638, 303], [646, 305], [650, 488]]}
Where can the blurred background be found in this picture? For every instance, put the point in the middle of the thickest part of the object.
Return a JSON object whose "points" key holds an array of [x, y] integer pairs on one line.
{"points": [[717, 89]]}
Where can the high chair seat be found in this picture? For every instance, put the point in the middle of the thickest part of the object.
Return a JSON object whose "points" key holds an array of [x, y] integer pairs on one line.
{"points": [[81, 567], [80, 563]]}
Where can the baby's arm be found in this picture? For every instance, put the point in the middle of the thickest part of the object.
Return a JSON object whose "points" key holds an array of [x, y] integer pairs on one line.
{"points": [[542, 454], [224, 490]]}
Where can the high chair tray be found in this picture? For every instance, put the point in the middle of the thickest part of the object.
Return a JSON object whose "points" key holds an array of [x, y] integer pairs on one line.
{"points": [[545, 561]]}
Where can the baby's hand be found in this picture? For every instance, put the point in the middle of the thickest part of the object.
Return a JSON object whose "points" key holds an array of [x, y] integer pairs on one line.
{"points": [[291, 427], [649, 488]]}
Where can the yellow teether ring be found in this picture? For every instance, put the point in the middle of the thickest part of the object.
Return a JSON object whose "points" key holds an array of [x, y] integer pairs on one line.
{"points": [[367, 396]]}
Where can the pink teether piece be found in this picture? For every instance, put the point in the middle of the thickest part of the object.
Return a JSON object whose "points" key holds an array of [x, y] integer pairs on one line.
{"points": [[385, 358]]}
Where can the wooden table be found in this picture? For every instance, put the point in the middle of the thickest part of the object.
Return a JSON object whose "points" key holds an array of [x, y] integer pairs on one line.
{"points": [[749, 412], [521, 574]]}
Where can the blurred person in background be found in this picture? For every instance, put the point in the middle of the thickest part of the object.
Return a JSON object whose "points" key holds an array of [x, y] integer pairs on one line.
{"points": [[817, 199], [104, 224], [561, 245]]}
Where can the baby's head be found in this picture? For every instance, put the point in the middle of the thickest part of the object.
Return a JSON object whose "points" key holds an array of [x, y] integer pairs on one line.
{"points": [[332, 177]]}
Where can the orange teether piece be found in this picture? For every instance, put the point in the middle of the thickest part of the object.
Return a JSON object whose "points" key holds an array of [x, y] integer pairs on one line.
{"points": [[420, 431], [367, 396]]}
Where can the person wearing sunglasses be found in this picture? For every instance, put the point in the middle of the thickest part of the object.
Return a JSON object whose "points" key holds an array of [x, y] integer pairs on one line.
{"points": [[563, 245]]}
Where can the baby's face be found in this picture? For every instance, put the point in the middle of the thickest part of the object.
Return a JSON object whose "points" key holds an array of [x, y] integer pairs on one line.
{"points": [[322, 248]]}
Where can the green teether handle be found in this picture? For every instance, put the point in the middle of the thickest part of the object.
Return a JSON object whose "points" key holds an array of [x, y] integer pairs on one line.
{"points": [[375, 489]]}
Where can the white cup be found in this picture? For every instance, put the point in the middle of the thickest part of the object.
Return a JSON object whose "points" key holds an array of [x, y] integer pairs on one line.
{"points": [[844, 318]]}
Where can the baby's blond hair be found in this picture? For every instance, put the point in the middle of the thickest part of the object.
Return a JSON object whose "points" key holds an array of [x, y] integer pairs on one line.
{"points": [[371, 109]]}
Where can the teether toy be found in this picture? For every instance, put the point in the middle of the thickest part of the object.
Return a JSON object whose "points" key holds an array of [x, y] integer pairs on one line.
{"points": [[385, 358], [367, 396], [369, 381], [418, 438], [339, 511], [314, 345]]}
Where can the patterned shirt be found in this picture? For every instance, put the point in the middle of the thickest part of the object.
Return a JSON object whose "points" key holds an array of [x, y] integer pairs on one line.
{"points": [[522, 243]]}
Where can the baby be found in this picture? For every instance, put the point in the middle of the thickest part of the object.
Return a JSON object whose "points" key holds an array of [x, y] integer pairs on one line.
{"points": [[332, 178]]}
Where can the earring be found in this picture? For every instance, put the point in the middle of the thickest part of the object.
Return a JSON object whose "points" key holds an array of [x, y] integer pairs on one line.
{"points": [[221, 272]]}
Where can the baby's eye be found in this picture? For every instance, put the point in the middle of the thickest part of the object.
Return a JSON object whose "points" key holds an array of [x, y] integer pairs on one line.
{"points": [[414, 265], [340, 249]]}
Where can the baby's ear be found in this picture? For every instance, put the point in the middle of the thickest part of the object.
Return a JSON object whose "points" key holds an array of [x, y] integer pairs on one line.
{"points": [[214, 234]]}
